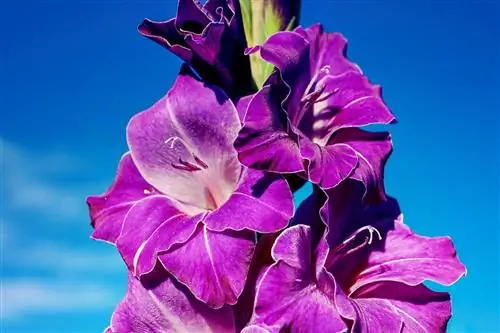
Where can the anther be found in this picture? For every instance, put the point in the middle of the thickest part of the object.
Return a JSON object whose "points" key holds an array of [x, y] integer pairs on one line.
{"points": [[200, 162], [325, 69], [367, 241], [186, 166]]}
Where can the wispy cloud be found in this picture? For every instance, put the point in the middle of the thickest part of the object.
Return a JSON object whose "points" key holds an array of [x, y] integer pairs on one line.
{"points": [[22, 298], [42, 182], [75, 279], [65, 260], [50, 268]]}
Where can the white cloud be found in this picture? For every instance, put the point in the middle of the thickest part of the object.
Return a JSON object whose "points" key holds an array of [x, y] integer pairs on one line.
{"points": [[39, 187], [63, 260], [25, 297], [75, 280], [42, 182]]}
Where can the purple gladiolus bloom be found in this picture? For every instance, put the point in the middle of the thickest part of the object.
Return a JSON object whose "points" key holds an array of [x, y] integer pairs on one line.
{"points": [[368, 281], [182, 198], [164, 305], [305, 119], [210, 37]]}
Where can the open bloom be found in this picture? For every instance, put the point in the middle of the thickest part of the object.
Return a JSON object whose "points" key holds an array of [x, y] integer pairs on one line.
{"points": [[371, 280], [210, 37], [305, 119], [162, 304], [181, 197]]}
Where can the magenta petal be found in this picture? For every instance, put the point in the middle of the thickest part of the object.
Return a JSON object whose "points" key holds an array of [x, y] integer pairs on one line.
{"points": [[286, 297], [329, 165], [264, 142], [141, 221], [174, 230], [411, 259], [327, 49], [256, 329], [185, 149], [293, 247], [287, 51], [287, 294], [262, 202], [213, 265], [376, 316], [407, 309], [242, 106], [355, 103], [373, 150], [165, 34], [167, 307], [108, 210]]}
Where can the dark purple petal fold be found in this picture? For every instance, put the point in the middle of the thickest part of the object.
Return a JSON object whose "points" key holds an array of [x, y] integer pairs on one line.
{"points": [[210, 38], [264, 142]]}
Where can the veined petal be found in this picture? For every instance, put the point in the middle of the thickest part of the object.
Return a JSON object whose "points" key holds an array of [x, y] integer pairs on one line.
{"points": [[142, 220], [344, 211], [288, 299], [167, 306], [329, 165], [242, 106], [261, 261], [264, 142], [185, 149], [411, 259], [396, 307], [294, 247], [213, 265], [353, 102], [289, 52], [327, 49], [107, 211], [262, 202], [287, 294], [373, 150], [375, 316], [165, 34], [256, 329]]}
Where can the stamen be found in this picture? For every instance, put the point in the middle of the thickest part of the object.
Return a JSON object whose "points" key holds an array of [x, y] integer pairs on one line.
{"points": [[367, 241], [185, 165], [312, 96], [200, 162], [316, 96], [327, 95], [325, 69], [338, 253], [172, 140], [370, 229]]}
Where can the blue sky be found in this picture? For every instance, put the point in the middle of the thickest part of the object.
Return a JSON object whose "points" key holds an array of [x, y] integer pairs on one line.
{"points": [[73, 72]]}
